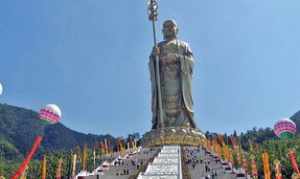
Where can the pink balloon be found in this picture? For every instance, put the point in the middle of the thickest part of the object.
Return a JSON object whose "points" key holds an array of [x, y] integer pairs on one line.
{"points": [[51, 114], [284, 125]]}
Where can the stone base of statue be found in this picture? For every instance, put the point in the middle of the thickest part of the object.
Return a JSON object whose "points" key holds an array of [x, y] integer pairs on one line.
{"points": [[173, 136]]}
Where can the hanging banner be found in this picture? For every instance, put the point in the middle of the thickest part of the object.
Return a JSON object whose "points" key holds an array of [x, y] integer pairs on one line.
{"points": [[225, 153], [74, 161], [231, 156], [94, 158], [84, 157], [277, 165], [238, 156], [102, 148], [44, 167], [109, 150], [254, 171], [24, 175], [106, 147], [245, 163], [233, 142], [134, 145], [293, 160], [123, 151], [217, 149], [220, 139], [59, 169], [266, 165], [36, 145]]}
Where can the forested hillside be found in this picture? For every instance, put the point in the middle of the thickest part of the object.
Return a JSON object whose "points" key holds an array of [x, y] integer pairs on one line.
{"points": [[19, 126]]}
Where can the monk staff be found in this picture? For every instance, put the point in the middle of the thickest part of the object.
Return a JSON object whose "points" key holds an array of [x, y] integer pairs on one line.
{"points": [[152, 12]]}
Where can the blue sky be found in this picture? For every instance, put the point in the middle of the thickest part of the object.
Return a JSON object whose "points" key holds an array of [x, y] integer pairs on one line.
{"points": [[90, 57]]}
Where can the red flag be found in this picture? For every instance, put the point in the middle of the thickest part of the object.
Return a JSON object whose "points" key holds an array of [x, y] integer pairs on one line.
{"points": [[102, 148], [59, 169], [36, 145], [292, 157], [254, 167], [245, 163], [110, 149], [233, 142]]}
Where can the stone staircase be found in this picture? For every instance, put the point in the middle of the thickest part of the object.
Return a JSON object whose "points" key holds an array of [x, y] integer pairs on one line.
{"points": [[166, 165]]}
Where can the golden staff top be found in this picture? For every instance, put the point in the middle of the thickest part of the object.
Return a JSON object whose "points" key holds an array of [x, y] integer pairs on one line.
{"points": [[153, 13], [152, 10]]}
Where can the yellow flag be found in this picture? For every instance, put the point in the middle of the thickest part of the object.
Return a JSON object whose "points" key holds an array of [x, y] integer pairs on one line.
{"points": [[123, 151], [278, 174], [106, 147], [24, 175], [226, 153], [266, 165], [230, 156], [74, 165], [44, 167], [134, 145], [94, 158], [84, 158]]}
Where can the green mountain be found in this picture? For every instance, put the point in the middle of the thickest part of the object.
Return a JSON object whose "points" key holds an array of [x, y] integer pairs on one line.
{"points": [[296, 119], [261, 135], [19, 127]]}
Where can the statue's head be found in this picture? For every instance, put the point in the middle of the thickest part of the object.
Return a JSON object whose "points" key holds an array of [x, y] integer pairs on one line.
{"points": [[170, 29]]}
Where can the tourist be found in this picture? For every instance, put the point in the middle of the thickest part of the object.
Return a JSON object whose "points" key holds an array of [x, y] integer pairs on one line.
{"points": [[207, 177]]}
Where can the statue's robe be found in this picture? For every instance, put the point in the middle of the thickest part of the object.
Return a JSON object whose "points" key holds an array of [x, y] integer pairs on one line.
{"points": [[176, 69]]}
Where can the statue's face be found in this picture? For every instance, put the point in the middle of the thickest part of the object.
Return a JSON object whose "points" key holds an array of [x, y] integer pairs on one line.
{"points": [[169, 30]]}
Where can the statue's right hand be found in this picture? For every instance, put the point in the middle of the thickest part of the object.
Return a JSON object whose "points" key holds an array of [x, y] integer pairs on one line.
{"points": [[155, 51]]}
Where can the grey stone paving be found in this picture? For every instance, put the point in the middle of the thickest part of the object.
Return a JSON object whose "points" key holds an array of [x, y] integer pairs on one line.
{"points": [[197, 161], [165, 165], [124, 168]]}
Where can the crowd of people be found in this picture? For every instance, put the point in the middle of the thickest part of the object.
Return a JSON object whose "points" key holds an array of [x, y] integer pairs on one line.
{"points": [[130, 163], [197, 158]]}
